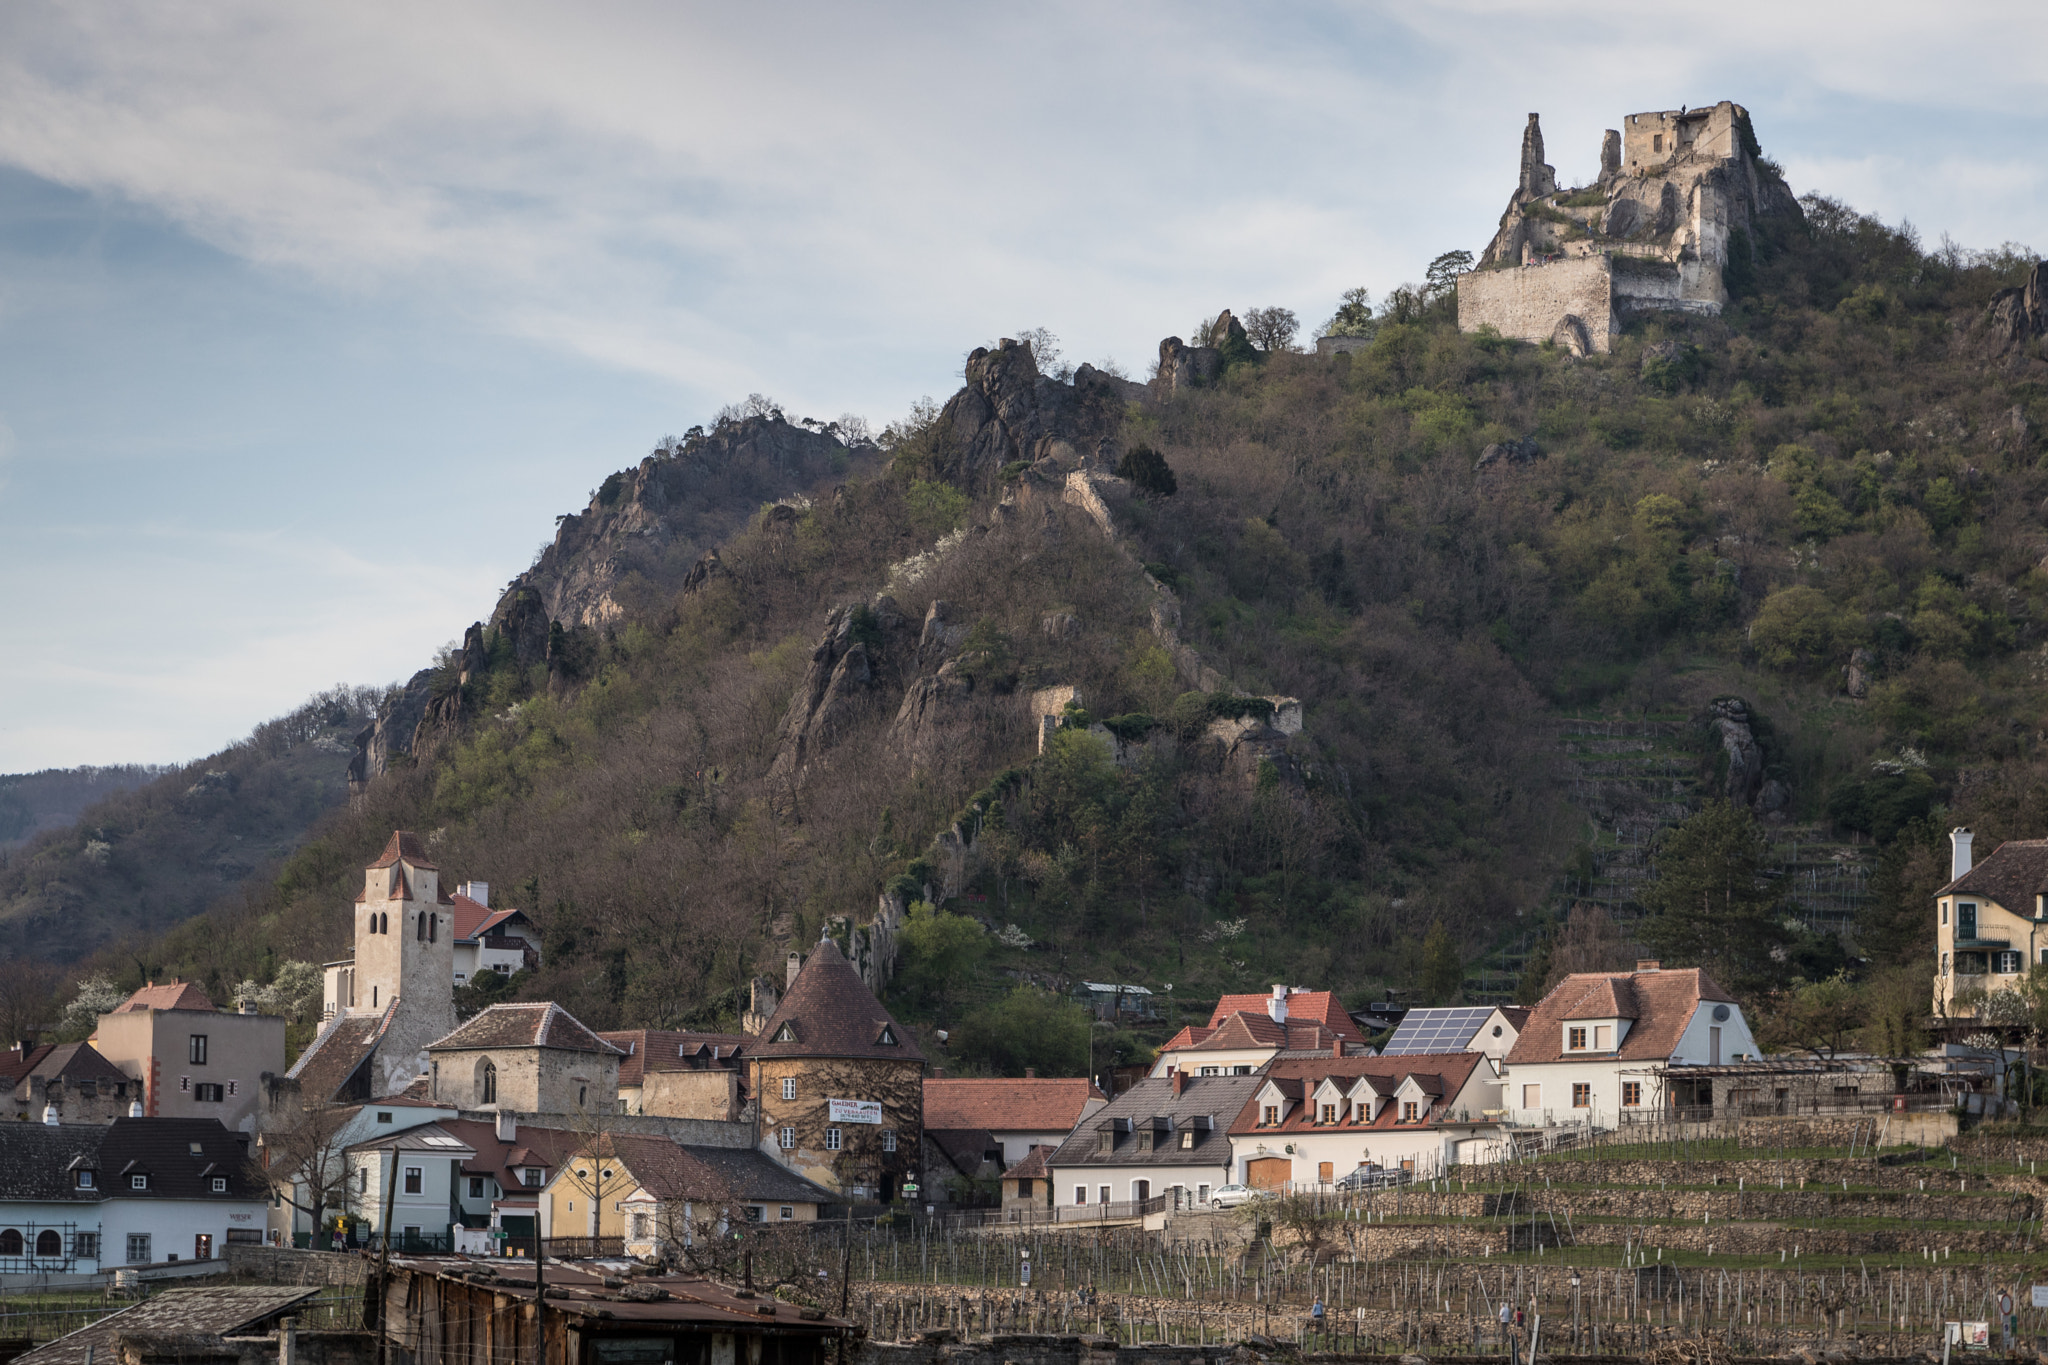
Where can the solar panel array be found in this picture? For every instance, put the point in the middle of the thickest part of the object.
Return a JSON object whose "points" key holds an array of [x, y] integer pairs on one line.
{"points": [[1437, 1030]]}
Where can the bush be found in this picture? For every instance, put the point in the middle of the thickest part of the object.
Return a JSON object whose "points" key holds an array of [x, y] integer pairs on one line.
{"points": [[1028, 1028], [1147, 470], [1795, 626]]}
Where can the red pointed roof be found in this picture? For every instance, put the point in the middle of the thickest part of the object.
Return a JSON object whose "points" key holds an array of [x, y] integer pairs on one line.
{"points": [[177, 995], [829, 1012], [474, 919], [406, 845], [1660, 1002]]}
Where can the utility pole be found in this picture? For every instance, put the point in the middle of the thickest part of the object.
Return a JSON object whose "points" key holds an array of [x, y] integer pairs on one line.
{"points": [[384, 1259]]}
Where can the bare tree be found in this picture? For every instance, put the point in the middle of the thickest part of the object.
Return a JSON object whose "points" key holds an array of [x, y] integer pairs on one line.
{"points": [[304, 1161], [1271, 329]]}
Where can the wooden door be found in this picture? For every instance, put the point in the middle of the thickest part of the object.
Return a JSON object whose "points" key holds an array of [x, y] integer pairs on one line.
{"points": [[1323, 1171], [1268, 1173]]}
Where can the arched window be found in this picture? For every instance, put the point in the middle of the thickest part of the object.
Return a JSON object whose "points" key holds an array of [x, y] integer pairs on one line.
{"points": [[487, 1082], [384, 924], [419, 928], [433, 928], [10, 1242], [48, 1243]]}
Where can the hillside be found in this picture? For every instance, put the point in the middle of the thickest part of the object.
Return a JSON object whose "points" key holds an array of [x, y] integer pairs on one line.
{"points": [[1450, 548], [33, 802]]}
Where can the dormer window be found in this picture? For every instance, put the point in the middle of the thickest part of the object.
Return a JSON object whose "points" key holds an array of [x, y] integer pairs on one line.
{"points": [[1409, 1111], [1187, 1139], [138, 1182], [1575, 1039], [785, 1034], [1329, 1113], [86, 1180], [1271, 1116], [220, 1184], [888, 1038], [1603, 1037], [1364, 1112]]}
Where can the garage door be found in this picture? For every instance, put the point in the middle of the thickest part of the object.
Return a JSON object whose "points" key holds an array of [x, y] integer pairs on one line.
{"points": [[1268, 1173]]}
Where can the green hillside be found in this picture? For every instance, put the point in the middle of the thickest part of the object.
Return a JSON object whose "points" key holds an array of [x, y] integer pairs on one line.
{"points": [[1843, 469]]}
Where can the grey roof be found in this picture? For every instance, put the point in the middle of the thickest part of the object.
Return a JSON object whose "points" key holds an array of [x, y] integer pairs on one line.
{"points": [[1437, 1030], [1220, 1099], [217, 1310], [337, 1053], [37, 1159], [181, 1157], [754, 1175]]}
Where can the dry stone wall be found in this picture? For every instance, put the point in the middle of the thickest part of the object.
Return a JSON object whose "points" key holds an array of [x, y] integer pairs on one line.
{"points": [[1526, 303]]}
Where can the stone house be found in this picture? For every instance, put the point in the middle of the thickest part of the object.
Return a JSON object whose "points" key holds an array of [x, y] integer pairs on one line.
{"points": [[1315, 1120], [1990, 922], [1163, 1138], [70, 1079], [1245, 1032], [838, 1083], [1605, 1047], [678, 1074], [530, 1057], [190, 1059], [1027, 1184]]}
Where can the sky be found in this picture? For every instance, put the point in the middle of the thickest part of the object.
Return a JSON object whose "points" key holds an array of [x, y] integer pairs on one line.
{"points": [[314, 317]]}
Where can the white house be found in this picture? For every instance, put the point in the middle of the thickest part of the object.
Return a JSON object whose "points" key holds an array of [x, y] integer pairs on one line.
{"points": [[347, 1127], [1604, 1046], [1491, 1029], [1245, 1032], [50, 1223], [1314, 1120], [1167, 1138], [413, 1181], [487, 940]]}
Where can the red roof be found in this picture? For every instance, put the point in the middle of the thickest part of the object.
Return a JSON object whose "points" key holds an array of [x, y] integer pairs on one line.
{"points": [[1322, 1007], [473, 919], [1031, 1105], [178, 995], [1440, 1075], [654, 1049], [1660, 1004], [406, 845], [1247, 1030]]}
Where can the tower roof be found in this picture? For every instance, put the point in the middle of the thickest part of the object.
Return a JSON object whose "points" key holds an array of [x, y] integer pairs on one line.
{"points": [[829, 1012], [404, 844]]}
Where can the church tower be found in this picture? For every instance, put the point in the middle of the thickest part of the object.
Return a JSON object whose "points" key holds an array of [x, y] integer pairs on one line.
{"points": [[405, 953]]}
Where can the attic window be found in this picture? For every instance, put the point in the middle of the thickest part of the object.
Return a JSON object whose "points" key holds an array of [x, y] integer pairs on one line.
{"points": [[383, 1116], [888, 1038], [85, 1180], [1187, 1139], [785, 1034], [195, 1150]]}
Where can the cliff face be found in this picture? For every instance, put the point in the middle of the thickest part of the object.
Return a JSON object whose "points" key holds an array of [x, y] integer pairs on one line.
{"points": [[648, 525]]}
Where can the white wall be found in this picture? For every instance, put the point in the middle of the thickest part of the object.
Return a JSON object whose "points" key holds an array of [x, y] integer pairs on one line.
{"points": [[1214, 1174], [172, 1224], [1192, 1062], [1017, 1146], [1695, 1045], [29, 1218]]}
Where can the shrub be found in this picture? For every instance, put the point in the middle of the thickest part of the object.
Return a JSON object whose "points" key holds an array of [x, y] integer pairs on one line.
{"points": [[1148, 470]]}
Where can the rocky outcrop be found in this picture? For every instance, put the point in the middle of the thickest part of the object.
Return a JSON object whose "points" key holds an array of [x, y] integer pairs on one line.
{"points": [[708, 569], [1749, 779], [2016, 317], [649, 528], [1008, 412], [1856, 677], [1513, 452], [389, 737], [840, 684], [1185, 367]]}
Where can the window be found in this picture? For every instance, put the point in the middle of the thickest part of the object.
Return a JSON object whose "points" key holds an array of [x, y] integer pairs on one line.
{"points": [[787, 1137], [785, 1034], [1364, 1113], [220, 1184], [49, 1243], [1408, 1114], [1631, 1093], [412, 1233], [138, 1248], [1211, 1071], [383, 1116], [788, 1213], [209, 1092], [433, 928], [832, 1139], [1271, 1115], [1187, 1139], [582, 1096], [1603, 1037], [753, 1213], [1080, 1194], [419, 927], [1966, 920], [888, 1038], [476, 1187], [572, 1206], [10, 1242], [1201, 1194], [789, 1087], [185, 1085], [202, 1247], [195, 1049], [1582, 1095], [1575, 1039], [1944, 962], [1656, 142], [1532, 1097], [85, 1180], [85, 1245], [415, 1180], [1102, 1194], [529, 1176], [888, 1142], [2005, 964], [1329, 1113], [488, 1084], [138, 1182], [1944, 912]]}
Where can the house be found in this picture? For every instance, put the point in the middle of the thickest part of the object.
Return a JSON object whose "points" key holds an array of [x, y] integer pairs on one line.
{"points": [[646, 1194], [1245, 1032], [1027, 1184], [1313, 1120], [1163, 1138], [1110, 1000], [77, 1199], [1991, 922], [838, 1082], [679, 1074], [1491, 1029], [531, 1057], [1603, 1047], [412, 1180], [305, 1152], [1016, 1115], [500, 1185], [486, 940], [384, 1005], [72, 1079], [190, 1060]]}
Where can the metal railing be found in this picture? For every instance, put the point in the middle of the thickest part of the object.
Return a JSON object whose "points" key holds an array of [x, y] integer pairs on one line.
{"points": [[1102, 1213]]}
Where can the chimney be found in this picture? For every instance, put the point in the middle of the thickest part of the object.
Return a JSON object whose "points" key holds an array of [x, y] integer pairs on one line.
{"points": [[50, 1115], [1030, 1073], [480, 892], [938, 1073], [796, 964], [1649, 964], [1959, 857], [508, 1126], [1180, 1080], [1277, 1006], [1337, 1048]]}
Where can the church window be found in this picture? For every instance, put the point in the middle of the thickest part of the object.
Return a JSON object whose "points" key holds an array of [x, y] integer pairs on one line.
{"points": [[888, 1038], [488, 1081], [419, 927], [384, 923], [433, 928]]}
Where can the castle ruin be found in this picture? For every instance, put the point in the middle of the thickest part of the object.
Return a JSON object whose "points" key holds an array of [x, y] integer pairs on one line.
{"points": [[1676, 202]]}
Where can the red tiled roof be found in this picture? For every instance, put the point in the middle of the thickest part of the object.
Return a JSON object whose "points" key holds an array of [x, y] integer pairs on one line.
{"points": [[829, 1012], [473, 919], [1247, 1030], [1661, 1003], [1033, 1166], [178, 995], [654, 1049], [406, 845], [1031, 1105], [1440, 1075], [526, 1023], [1321, 1006]]}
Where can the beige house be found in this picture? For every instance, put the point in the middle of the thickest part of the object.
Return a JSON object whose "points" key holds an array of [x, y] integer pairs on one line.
{"points": [[678, 1074], [194, 1061], [532, 1057], [1991, 922]]}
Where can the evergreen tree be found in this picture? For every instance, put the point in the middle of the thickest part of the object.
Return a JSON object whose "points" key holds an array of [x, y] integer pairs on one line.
{"points": [[1710, 906], [1443, 972]]}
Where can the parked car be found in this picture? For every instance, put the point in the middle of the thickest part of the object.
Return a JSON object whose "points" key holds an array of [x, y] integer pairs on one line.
{"points": [[1374, 1178], [1230, 1196]]}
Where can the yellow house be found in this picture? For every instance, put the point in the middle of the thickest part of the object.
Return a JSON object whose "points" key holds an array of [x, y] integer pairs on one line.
{"points": [[631, 1192], [1991, 922]]}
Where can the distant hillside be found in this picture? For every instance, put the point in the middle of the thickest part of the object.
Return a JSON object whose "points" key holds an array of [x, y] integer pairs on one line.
{"points": [[33, 802], [1464, 555]]}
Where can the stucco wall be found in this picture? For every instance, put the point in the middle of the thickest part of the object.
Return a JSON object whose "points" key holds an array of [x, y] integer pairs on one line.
{"points": [[690, 1094], [1527, 302], [154, 1047]]}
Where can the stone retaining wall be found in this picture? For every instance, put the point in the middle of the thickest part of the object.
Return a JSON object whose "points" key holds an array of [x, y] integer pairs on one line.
{"points": [[288, 1265]]}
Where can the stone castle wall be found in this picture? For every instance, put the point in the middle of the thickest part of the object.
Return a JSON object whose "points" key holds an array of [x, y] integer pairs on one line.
{"points": [[1525, 302]]}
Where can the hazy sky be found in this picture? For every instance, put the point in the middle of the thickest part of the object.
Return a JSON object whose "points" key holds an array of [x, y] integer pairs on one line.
{"points": [[313, 317]]}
